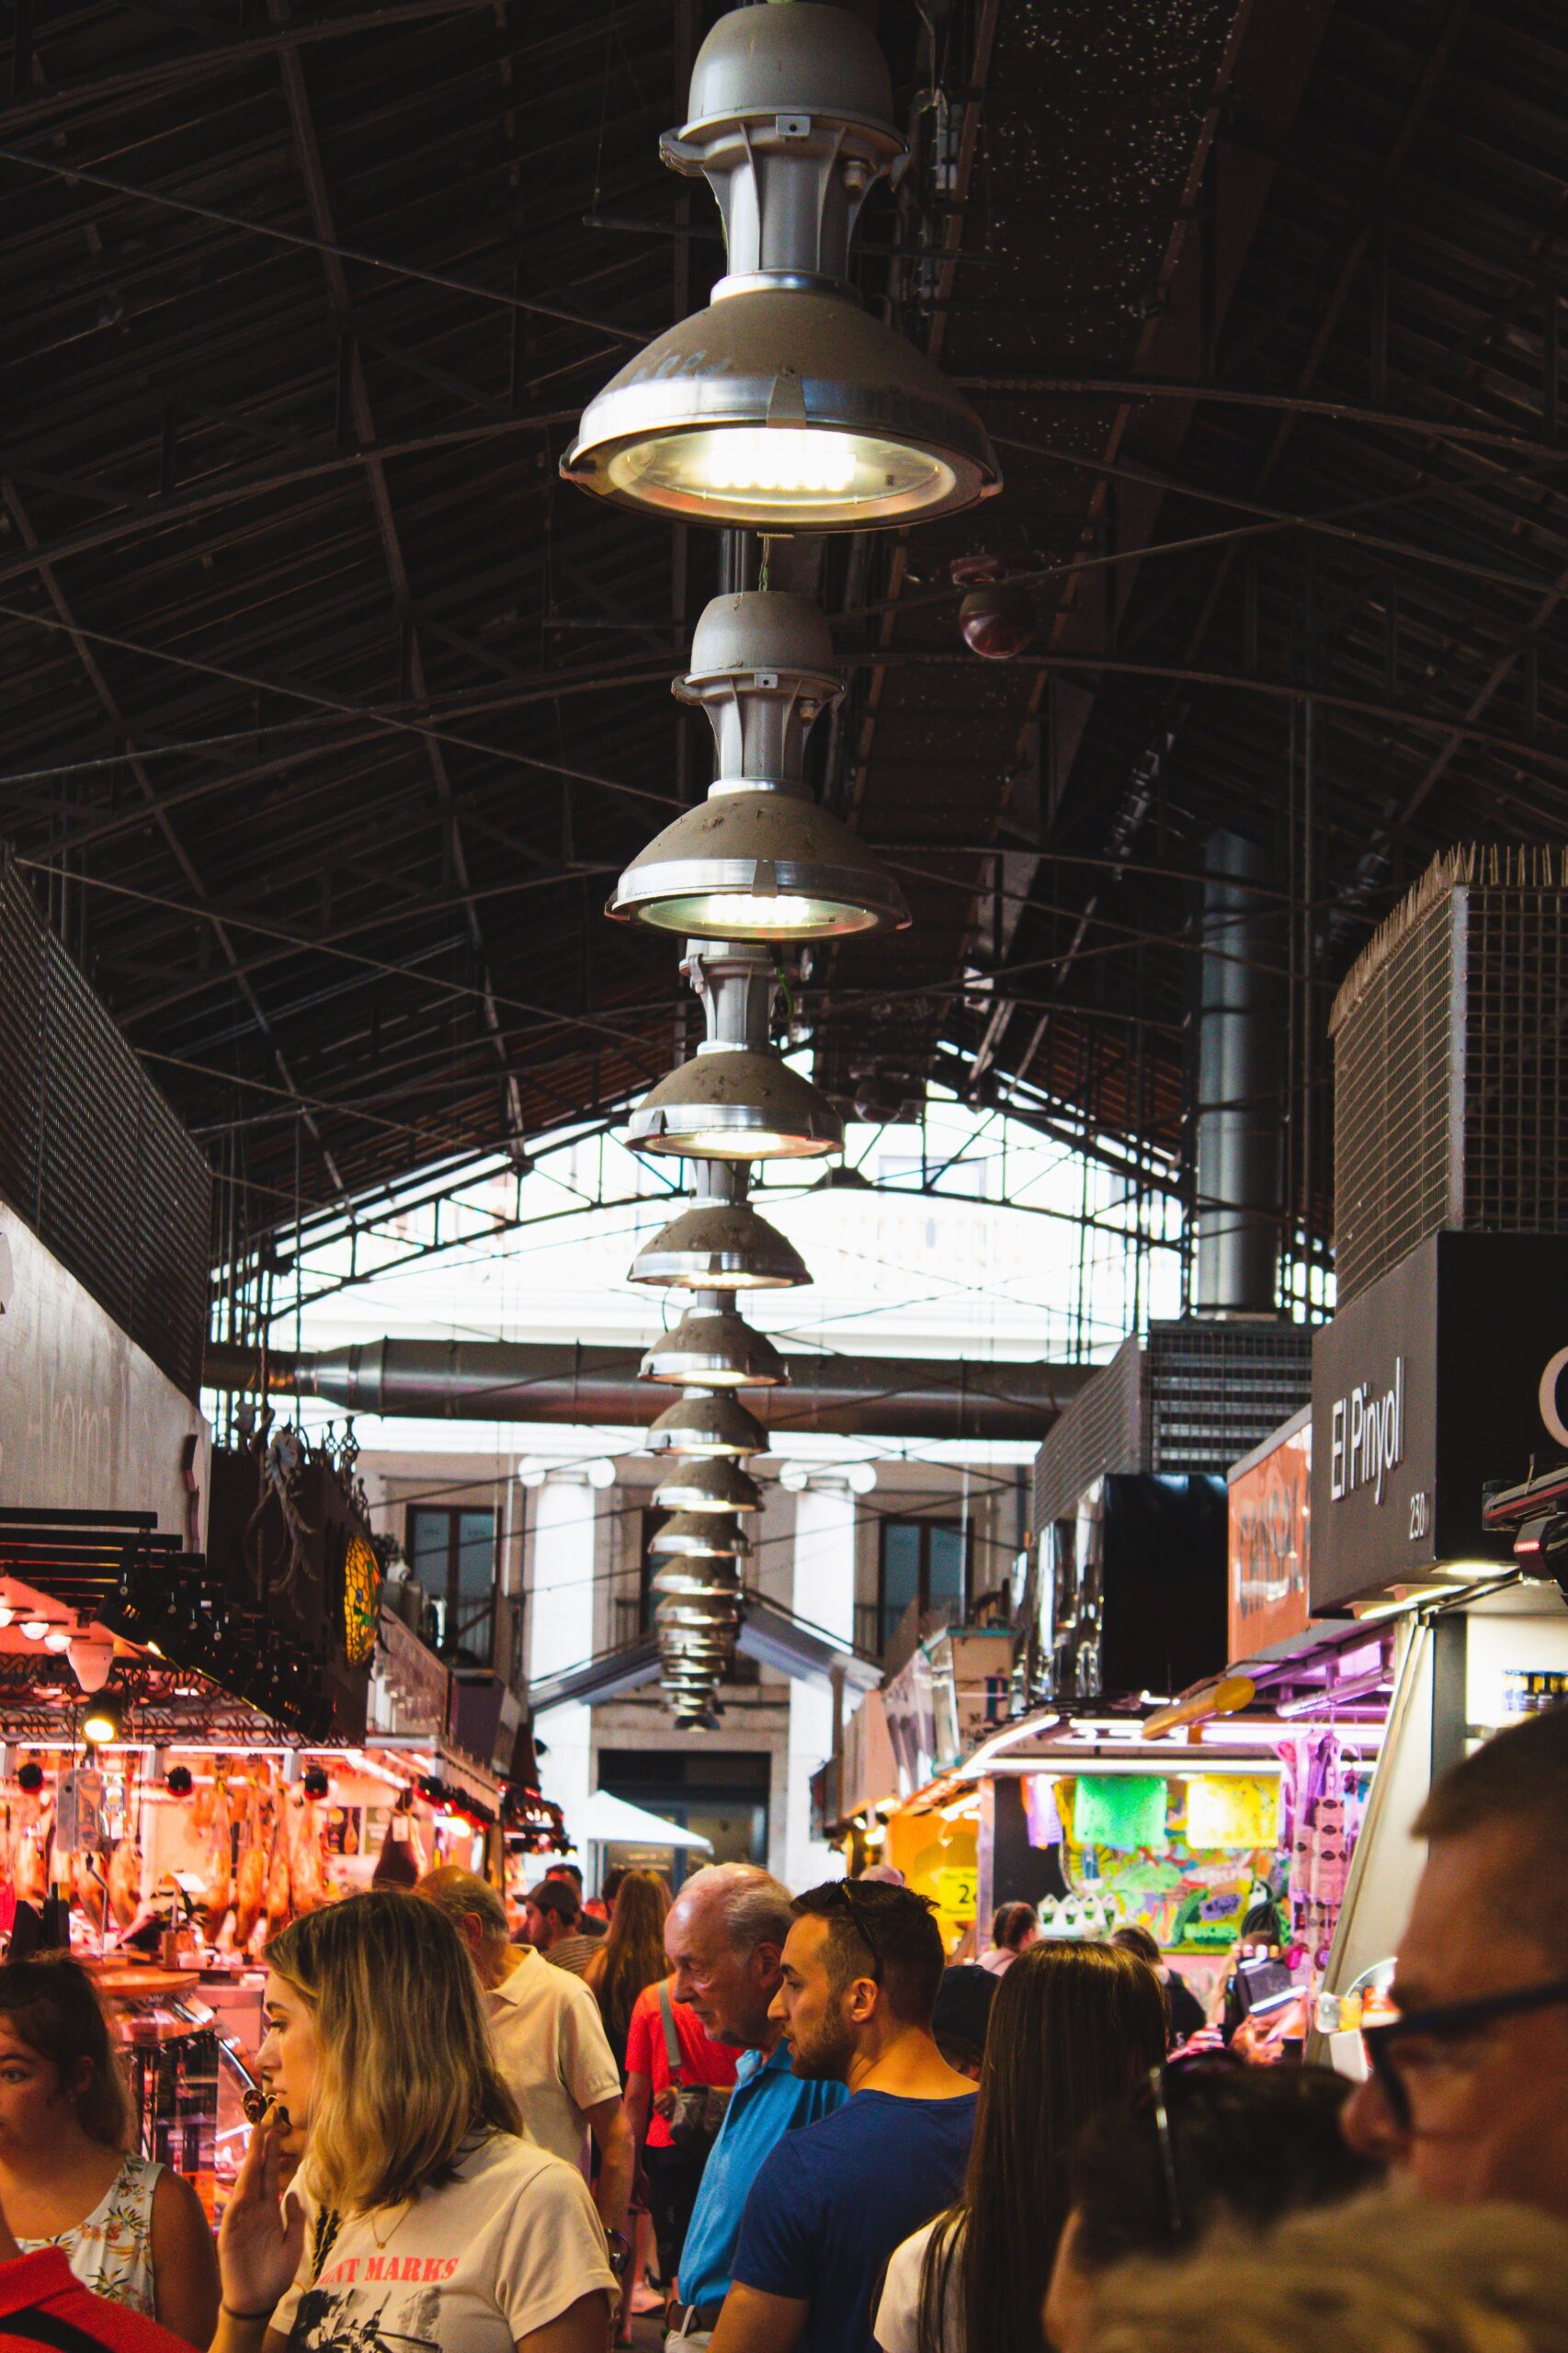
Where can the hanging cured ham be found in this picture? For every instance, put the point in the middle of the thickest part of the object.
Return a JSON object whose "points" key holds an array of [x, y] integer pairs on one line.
{"points": [[217, 1885]]}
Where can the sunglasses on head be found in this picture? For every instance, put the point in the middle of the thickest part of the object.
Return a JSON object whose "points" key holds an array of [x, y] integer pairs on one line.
{"points": [[1155, 2092], [1449, 2023], [849, 1897]]}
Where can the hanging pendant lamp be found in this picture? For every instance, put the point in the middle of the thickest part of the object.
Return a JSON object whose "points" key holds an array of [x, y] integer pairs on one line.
{"points": [[758, 859], [699, 1536], [715, 1486], [784, 406], [696, 1580], [720, 1242], [735, 1098], [712, 1348], [704, 1423]]}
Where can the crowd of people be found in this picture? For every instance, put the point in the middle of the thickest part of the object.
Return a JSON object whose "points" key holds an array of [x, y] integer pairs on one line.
{"points": [[783, 2120]]}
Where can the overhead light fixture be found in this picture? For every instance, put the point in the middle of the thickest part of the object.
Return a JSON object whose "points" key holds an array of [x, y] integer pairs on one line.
{"points": [[735, 1098], [714, 1349], [714, 1485], [696, 1580], [784, 406], [34, 1629], [699, 1535], [696, 1617], [705, 1422], [758, 859], [7, 1613], [729, 1104], [721, 1242], [102, 1718]]}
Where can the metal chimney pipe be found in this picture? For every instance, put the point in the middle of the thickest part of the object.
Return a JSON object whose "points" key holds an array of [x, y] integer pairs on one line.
{"points": [[505, 1380], [1240, 1058]]}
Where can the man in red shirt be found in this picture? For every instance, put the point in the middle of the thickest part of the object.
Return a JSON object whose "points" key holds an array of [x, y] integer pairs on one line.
{"points": [[42, 2304], [672, 2172]]}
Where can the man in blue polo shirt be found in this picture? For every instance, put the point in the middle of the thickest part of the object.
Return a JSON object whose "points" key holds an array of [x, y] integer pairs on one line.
{"points": [[724, 1937]]}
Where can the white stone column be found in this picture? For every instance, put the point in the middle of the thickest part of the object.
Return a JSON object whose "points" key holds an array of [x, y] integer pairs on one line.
{"points": [[561, 1557], [824, 1594]]}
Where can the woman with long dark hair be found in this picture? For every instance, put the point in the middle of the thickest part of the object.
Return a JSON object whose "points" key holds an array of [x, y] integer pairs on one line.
{"points": [[631, 1956], [418, 2215], [1073, 2028], [130, 2230]]}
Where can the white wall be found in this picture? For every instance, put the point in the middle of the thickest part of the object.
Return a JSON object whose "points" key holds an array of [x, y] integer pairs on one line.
{"points": [[822, 1593], [561, 1557]]}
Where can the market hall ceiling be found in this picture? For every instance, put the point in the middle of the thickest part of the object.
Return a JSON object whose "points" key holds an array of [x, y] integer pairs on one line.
{"points": [[332, 712]]}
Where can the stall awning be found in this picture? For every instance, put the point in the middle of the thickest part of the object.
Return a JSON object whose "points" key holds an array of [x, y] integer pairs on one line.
{"points": [[607, 1817]]}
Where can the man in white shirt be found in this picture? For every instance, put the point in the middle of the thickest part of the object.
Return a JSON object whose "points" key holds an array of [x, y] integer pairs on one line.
{"points": [[549, 2040]]}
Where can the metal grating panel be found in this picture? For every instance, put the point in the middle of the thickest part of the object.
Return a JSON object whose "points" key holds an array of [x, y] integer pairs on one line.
{"points": [[1393, 1067], [1451, 1063], [1102, 1430], [1514, 1096], [91, 1154], [1218, 1389]]}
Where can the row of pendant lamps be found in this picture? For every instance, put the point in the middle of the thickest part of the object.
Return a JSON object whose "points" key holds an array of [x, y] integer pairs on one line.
{"points": [[783, 406]]}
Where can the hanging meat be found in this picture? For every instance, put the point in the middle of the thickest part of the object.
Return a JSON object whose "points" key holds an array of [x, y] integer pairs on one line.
{"points": [[31, 1840], [280, 1878], [250, 1880], [401, 1861], [217, 1889], [307, 1858], [89, 1888]]}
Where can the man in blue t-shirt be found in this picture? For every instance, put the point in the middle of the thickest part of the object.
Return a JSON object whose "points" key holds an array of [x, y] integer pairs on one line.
{"points": [[723, 1937], [860, 1967]]}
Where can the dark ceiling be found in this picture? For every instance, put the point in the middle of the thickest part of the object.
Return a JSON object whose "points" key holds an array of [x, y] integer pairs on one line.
{"points": [[331, 711]]}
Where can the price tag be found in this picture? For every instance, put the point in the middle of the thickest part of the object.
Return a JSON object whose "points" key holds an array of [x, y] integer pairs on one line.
{"points": [[957, 1889]]}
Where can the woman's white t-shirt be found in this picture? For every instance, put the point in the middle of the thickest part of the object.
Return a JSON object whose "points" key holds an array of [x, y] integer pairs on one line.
{"points": [[897, 2324], [507, 2245]]}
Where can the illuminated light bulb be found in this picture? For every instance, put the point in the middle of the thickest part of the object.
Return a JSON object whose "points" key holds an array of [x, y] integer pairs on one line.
{"points": [[7, 1613], [57, 1639], [787, 458], [34, 1629]]}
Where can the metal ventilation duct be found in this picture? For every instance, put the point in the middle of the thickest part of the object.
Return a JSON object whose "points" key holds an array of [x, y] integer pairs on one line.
{"points": [[1240, 1056], [503, 1381]]}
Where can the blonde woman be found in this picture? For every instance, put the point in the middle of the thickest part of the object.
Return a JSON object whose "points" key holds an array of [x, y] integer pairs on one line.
{"points": [[419, 2219], [1382, 2275]]}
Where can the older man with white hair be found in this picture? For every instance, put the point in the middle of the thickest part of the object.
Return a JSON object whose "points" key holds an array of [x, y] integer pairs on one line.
{"points": [[724, 1938], [549, 2041]]}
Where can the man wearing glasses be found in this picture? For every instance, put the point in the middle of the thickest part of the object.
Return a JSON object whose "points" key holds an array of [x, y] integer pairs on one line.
{"points": [[1469, 2086], [861, 1967]]}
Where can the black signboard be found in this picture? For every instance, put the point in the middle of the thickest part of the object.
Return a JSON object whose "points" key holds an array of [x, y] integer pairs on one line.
{"points": [[1448, 1372]]}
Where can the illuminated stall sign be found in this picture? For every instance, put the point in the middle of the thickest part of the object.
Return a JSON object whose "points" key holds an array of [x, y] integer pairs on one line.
{"points": [[1269, 1538], [1450, 1371]]}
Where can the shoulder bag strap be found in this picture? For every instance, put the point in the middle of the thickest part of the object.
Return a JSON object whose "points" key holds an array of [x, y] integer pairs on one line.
{"points": [[47, 2328], [671, 2041]]}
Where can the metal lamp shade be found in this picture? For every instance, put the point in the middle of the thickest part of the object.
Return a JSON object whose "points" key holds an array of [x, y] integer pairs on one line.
{"points": [[712, 1486], [784, 407], [732, 1103], [706, 1424], [758, 864], [714, 1350], [699, 1535], [721, 1245], [696, 1580]]}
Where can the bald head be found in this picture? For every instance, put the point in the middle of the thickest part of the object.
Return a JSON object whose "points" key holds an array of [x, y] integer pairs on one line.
{"points": [[724, 1938]]}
